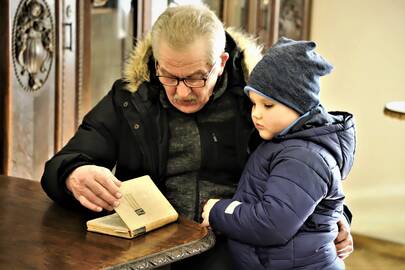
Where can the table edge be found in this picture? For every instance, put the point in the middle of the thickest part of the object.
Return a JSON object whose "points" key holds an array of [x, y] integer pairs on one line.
{"points": [[169, 256]]}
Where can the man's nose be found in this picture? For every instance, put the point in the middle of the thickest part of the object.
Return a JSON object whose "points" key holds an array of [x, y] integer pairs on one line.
{"points": [[182, 90]]}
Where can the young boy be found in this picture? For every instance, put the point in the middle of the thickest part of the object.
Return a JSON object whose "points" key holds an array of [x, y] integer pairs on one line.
{"points": [[289, 199]]}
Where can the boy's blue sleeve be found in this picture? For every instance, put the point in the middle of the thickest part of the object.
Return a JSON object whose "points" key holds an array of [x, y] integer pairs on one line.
{"points": [[292, 191]]}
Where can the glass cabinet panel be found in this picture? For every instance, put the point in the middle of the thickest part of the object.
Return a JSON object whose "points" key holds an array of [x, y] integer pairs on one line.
{"points": [[111, 42]]}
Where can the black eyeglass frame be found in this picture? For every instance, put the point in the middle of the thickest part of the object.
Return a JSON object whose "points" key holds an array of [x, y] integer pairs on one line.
{"points": [[186, 81]]}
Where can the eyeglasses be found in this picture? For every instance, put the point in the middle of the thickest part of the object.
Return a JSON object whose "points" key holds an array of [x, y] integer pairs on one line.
{"points": [[192, 83]]}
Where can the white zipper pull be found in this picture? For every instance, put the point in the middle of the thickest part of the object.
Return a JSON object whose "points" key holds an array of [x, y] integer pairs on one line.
{"points": [[214, 137]]}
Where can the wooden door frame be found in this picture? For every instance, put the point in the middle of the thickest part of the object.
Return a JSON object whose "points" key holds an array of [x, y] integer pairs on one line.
{"points": [[5, 78], [83, 56], [274, 6], [80, 97]]}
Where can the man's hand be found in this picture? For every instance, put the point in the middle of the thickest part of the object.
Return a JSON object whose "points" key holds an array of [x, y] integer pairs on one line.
{"points": [[206, 211], [344, 240], [94, 187]]}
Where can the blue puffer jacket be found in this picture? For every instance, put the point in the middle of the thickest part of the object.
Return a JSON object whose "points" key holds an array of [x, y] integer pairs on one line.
{"points": [[291, 197]]}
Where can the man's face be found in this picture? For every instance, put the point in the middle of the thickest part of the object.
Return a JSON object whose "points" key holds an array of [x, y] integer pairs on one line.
{"points": [[189, 64]]}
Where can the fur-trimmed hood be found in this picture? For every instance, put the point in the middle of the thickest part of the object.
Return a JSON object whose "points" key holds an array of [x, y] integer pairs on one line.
{"points": [[136, 69]]}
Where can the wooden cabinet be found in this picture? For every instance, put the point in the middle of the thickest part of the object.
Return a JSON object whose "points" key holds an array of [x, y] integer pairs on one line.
{"points": [[45, 85], [58, 59], [28, 85], [268, 19]]}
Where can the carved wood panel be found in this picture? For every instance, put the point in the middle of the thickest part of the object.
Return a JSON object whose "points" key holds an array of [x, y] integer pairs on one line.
{"points": [[29, 110], [42, 97]]}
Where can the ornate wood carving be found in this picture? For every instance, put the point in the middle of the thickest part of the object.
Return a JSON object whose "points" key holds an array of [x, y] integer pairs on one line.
{"points": [[170, 256], [32, 43]]}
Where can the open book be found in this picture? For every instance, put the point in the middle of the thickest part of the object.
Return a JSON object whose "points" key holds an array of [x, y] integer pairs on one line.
{"points": [[142, 208]]}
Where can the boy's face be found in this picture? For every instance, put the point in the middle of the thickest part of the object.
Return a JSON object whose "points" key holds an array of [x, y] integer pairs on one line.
{"points": [[270, 117]]}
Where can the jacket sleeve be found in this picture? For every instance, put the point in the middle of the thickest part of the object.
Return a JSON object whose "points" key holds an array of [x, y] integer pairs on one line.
{"points": [[292, 191], [94, 143]]}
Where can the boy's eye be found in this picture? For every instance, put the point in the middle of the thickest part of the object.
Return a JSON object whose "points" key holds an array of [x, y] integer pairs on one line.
{"points": [[268, 106]]}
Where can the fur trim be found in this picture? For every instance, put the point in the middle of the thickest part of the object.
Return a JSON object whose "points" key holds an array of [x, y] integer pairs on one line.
{"points": [[136, 69], [248, 44]]}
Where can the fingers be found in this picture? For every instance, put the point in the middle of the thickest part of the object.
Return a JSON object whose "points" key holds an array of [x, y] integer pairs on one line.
{"points": [[345, 247], [96, 200], [206, 211], [342, 235], [205, 222], [106, 179], [110, 194], [91, 200], [343, 254], [344, 241], [96, 188], [89, 205]]}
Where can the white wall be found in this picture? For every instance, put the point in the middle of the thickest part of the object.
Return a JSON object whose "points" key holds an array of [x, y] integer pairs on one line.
{"points": [[365, 41]]}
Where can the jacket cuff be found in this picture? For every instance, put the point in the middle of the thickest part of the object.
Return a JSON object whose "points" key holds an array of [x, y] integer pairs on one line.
{"points": [[217, 214]]}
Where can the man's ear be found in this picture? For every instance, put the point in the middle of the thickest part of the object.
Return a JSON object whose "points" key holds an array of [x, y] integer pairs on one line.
{"points": [[224, 58]]}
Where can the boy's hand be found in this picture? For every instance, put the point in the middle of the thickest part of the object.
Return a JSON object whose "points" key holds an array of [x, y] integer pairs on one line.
{"points": [[206, 211]]}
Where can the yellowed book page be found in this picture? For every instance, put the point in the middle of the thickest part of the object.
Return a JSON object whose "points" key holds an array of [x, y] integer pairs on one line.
{"points": [[111, 224], [112, 221], [143, 205]]}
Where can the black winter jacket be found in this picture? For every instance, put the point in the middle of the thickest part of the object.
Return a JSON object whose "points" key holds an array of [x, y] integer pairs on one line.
{"points": [[128, 128]]}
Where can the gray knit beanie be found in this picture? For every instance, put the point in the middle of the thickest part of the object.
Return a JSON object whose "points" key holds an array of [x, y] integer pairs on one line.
{"points": [[289, 73]]}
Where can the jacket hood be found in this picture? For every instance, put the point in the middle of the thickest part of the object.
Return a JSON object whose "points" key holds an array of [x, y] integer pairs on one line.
{"points": [[137, 69], [334, 131]]}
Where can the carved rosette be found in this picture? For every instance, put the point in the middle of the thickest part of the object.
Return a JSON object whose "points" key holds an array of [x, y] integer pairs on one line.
{"points": [[33, 43]]}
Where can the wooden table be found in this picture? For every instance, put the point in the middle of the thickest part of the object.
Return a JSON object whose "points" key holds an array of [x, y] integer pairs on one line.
{"points": [[36, 233]]}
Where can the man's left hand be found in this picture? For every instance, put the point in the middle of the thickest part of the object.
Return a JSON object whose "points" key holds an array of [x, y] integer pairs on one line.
{"points": [[344, 239]]}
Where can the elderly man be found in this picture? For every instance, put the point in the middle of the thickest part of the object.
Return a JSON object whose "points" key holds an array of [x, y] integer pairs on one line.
{"points": [[179, 115]]}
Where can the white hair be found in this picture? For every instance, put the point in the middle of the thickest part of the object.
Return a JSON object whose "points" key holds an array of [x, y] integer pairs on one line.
{"points": [[182, 25]]}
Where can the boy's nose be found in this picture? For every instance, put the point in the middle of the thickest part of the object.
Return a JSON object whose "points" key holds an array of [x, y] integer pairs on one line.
{"points": [[256, 113]]}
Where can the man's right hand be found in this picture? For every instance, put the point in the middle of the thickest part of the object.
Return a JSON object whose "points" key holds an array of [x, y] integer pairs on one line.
{"points": [[95, 187]]}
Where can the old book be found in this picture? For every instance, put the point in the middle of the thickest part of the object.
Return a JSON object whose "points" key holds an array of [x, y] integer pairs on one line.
{"points": [[142, 208]]}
